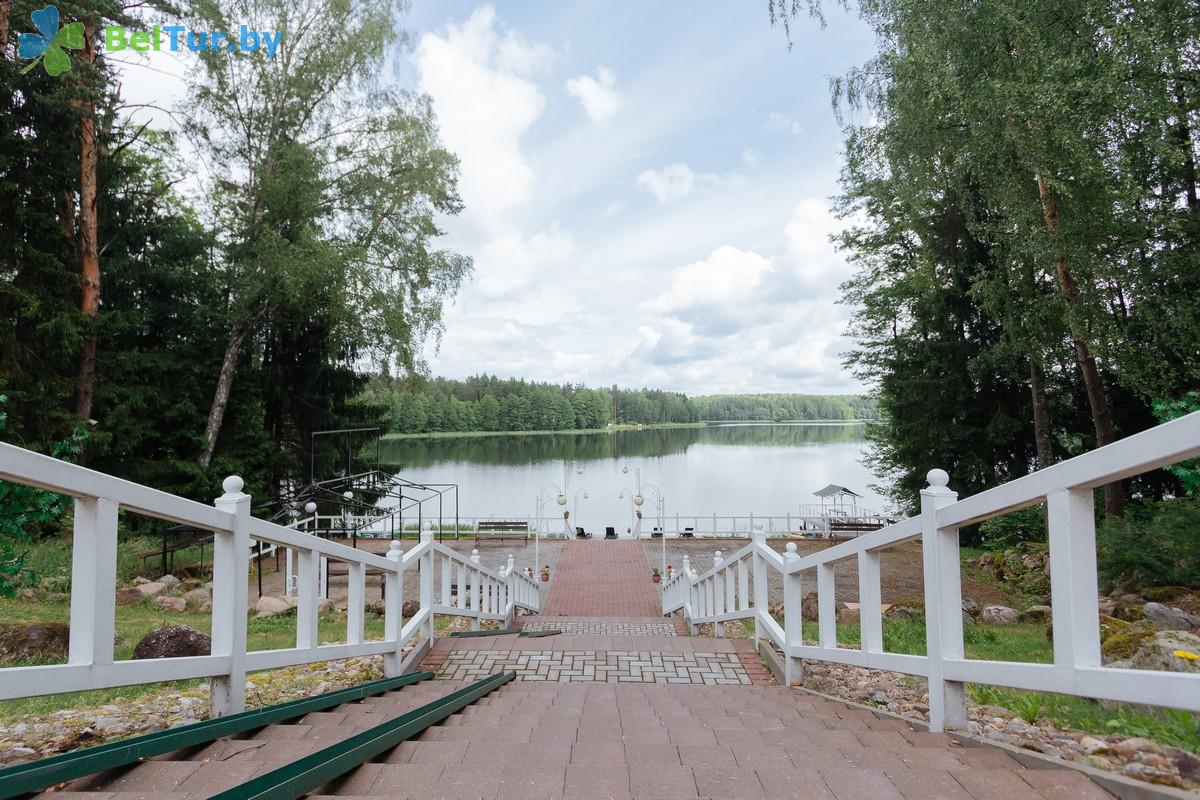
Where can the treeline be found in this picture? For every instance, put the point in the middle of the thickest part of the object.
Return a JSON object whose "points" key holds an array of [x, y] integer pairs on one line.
{"points": [[182, 341], [1022, 190], [783, 407], [488, 403]]}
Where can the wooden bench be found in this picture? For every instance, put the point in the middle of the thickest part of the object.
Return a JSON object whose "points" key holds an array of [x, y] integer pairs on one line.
{"points": [[502, 530]]}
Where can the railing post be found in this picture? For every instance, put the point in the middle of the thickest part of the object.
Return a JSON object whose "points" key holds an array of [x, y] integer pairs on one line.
{"points": [[943, 605], [689, 593], [93, 581], [356, 583], [231, 583], [793, 621], [476, 589], [759, 568], [1073, 585], [718, 593], [870, 616], [427, 579], [393, 620]]}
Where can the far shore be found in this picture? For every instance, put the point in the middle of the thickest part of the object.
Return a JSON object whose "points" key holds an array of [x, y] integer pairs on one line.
{"points": [[622, 427]]}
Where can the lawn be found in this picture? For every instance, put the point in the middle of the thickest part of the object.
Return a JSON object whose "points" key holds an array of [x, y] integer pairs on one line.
{"points": [[134, 622]]}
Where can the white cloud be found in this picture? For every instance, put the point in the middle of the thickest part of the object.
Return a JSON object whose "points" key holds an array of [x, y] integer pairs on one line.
{"points": [[784, 122], [478, 79], [613, 209], [598, 95], [669, 183], [749, 157], [726, 278]]}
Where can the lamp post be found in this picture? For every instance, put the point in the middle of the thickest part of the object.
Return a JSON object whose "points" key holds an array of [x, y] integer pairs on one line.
{"points": [[559, 498], [575, 510], [660, 507], [637, 498]]}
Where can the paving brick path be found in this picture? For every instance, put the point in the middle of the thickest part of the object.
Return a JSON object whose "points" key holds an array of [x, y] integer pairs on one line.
{"points": [[590, 666], [602, 579], [601, 626]]}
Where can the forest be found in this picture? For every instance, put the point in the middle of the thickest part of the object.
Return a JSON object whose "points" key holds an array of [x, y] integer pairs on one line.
{"points": [[488, 403]]}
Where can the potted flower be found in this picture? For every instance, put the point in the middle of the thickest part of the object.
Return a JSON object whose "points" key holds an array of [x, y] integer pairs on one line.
{"points": [[670, 572], [655, 575], [545, 573]]}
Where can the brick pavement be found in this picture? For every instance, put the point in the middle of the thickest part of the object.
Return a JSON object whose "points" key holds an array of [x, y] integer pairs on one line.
{"points": [[600, 626], [602, 579], [591, 666]]}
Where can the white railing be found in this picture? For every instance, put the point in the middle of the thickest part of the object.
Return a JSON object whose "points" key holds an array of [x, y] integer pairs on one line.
{"points": [[99, 498], [736, 587]]}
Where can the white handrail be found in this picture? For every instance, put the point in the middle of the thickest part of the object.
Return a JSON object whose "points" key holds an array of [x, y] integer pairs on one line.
{"points": [[722, 593], [485, 594]]}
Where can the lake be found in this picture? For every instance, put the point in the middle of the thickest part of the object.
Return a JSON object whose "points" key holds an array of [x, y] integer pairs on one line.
{"points": [[725, 469]]}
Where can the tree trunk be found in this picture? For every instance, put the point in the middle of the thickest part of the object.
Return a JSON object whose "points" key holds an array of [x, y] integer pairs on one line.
{"points": [[1184, 135], [216, 415], [1114, 500], [89, 258], [5, 8], [1041, 418]]}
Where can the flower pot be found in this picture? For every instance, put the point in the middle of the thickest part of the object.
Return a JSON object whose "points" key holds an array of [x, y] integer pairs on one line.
{"points": [[656, 578], [545, 577]]}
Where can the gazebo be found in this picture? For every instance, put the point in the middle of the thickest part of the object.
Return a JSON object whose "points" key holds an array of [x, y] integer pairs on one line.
{"points": [[834, 500]]}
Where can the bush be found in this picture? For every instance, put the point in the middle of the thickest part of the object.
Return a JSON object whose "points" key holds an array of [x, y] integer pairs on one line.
{"points": [[1154, 544], [1016, 527]]}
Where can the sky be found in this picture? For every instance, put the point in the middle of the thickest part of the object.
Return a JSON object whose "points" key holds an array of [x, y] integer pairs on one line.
{"points": [[647, 190]]}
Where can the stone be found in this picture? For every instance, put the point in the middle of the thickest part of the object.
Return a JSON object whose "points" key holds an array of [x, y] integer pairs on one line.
{"points": [[906, 609], [1170, 651], [1175, 619], [1108, 606], [808, 607], [1124, 642], [1037, 614], [1000, 615], [21, 641], [129, 596], [271, 606], [170, 581], [1134, 745], [197, 597], [847, 614], [205, 607], [58, 597], [170, 603], [971, 607], [173, 641], [1092, 746], [139, 580], [153, 589], [410, 608]]}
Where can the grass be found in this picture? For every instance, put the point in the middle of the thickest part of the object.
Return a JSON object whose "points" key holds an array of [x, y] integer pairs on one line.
{"points": [[134, 622]]}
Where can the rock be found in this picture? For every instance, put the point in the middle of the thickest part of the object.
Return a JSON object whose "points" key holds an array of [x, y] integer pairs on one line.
{"points": [[1170, 651], [58, 597], [1111, 625], [1123, 643], [20, 641], [1092, 746], [1163, 594], [170, 581], [1134, 745], [410, 608], [173, 641], [906, 609], [971, 607], [29, 594], [129, 596], [1000, 615], [1108, 606], [847, 614], [808, 607], [271, 606], [205, 607], [1037, 614], [151, 589], [1187, 764], [139, 580], [170, 603], [1175, 619], [187, 584], [197, 597]]}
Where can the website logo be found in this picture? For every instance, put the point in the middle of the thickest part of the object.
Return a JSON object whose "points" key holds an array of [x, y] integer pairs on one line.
{"points": [[48, 47]]}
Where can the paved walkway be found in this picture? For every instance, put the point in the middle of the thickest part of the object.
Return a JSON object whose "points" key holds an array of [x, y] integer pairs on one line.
{"points": [[602, 579]]}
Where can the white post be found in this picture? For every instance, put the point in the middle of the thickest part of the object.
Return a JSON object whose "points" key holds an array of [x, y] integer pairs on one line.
{"points": [[689, 596], [870, 616], [943, 605], [307, 600], [356, 582], [759, 568], [231, 583], [793, 621], [93, 581], [476, 590], [445, 581], [393, 621], [826, 607], [718, 584], [1073, 585], [427, 580]]}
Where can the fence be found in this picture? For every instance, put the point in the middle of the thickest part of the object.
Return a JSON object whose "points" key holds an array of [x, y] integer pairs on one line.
{"points": [[735, 588], [479, 593]]}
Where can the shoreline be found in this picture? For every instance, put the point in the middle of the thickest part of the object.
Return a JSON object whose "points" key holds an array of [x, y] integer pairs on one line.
{"points": [[618, 428]]}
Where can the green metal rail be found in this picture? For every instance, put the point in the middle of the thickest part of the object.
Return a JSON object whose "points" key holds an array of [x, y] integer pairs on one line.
{"points": [[503, 632], [303, 775], [36, 775]]}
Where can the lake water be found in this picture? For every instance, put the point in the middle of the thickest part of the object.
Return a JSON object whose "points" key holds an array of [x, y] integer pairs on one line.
{"points": [[733, 469]]}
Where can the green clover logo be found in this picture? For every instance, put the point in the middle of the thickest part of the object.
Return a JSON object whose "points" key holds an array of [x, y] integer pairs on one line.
{"points": [[47, 46]]}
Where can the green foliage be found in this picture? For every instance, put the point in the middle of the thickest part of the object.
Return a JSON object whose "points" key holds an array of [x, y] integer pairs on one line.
{"points": [[1013, 528], [1188, 472], [1155, 544], [784, 407], [27, 513]]}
